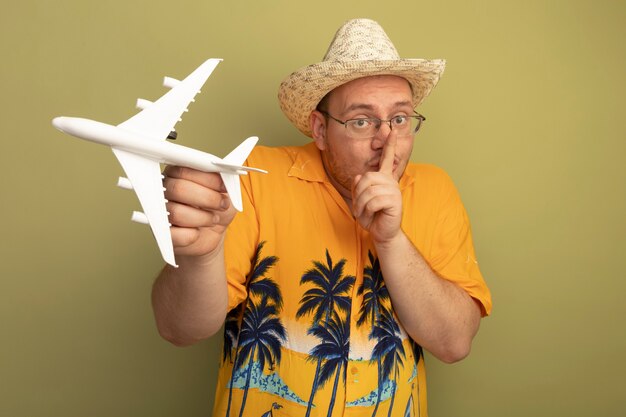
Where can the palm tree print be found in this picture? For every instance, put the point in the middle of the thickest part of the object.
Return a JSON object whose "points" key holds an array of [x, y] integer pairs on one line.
{"points": [[259, 337], [376, 310], [418, 354], [331, 290], [389, 350], [231, 332], [329, 296], [334, 350], [270, 413], [259, 286], [374, 292], [263, 286], [376, 303], [409, 407]]}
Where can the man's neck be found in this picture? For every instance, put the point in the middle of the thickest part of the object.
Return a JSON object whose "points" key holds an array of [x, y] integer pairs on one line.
{"points": [[345, 193]]}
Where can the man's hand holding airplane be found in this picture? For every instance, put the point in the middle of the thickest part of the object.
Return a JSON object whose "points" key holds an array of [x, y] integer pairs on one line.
{"points": [[199, 210]]}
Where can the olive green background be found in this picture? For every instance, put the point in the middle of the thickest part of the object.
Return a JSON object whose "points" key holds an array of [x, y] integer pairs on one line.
{"points": [[527, 119]]}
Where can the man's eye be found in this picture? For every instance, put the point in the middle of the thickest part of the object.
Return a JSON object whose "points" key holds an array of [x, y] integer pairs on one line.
{"points": [[361, 123], [400, 120]]}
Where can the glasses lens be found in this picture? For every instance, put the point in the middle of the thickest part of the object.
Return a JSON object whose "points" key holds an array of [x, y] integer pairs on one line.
{"points": [[416, 123], [367, 128], [362, 128], [406, 125]]}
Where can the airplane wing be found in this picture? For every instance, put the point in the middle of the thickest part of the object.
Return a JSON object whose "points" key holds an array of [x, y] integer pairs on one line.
{"points": [[159, 118], [146, 179]]}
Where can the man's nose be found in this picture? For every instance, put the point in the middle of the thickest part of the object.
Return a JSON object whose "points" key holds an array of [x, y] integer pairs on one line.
{"points": [[382, 134]]}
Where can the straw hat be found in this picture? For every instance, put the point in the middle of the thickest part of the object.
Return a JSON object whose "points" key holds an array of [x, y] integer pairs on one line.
{"points": [[359, 49]]}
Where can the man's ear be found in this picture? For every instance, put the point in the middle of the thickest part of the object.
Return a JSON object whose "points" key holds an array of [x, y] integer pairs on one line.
{"points": [[317, 123]]}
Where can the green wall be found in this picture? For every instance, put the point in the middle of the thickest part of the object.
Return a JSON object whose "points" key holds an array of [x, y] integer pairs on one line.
{"points": [[527, 120]]}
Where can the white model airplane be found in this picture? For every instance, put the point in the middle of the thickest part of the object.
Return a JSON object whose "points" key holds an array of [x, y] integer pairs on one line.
{"points": [[140, 145]]}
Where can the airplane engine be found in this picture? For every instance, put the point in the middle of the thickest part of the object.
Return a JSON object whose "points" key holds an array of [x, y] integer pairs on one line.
{"points": [[139, 217], [143, 103], [170, 82], [124, 183]]}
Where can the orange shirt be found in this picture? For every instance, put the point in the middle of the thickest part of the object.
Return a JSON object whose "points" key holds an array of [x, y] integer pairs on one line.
{"points": [[312, 330]]}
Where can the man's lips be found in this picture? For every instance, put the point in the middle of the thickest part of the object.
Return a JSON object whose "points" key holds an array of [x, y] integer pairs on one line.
{"points": [[374, 165]]}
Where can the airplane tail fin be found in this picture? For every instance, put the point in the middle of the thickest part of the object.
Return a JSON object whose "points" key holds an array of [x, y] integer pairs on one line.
{"points": [[238, 155], [234, 161]]}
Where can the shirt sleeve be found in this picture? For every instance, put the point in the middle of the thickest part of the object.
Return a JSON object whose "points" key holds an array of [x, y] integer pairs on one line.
{"points": [[240, 245], [453, 256]]}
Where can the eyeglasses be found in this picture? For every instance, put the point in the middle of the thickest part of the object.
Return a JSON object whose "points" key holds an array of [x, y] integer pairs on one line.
{"points": [[368, 127]]}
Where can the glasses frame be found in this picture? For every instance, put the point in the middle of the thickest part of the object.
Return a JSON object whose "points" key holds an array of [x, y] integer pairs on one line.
{"points": [[379, 122]]}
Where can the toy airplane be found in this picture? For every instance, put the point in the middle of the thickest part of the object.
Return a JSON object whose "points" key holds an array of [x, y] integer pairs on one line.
{"points": [[140, 145]]}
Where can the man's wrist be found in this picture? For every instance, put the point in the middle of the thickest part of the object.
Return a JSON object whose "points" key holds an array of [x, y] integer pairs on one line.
{"points": [[392, 242]]}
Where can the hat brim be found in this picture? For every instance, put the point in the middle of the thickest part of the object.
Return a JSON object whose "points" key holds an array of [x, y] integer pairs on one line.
{"points": [[300, 93]]}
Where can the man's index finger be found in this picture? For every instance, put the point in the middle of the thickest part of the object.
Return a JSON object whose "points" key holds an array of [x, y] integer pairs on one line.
{"points": [[388, 155]]}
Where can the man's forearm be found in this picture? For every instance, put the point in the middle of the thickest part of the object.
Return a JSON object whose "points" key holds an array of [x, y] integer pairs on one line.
{"points": [[190, 302], [436, 313]]}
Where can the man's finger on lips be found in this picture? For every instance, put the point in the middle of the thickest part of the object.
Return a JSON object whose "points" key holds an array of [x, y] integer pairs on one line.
{"points": [[194, 194], [388, 155], [182, 215]]}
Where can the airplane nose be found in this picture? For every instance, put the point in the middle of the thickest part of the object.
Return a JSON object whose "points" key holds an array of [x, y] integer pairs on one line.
{"points": [[59, 123]]}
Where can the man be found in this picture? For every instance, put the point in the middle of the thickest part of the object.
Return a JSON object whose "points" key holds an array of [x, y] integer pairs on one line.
{"points": [[347, 259]]}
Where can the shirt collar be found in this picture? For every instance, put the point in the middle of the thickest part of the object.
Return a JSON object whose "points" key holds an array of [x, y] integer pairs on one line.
{"points": [[307, 164]]}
